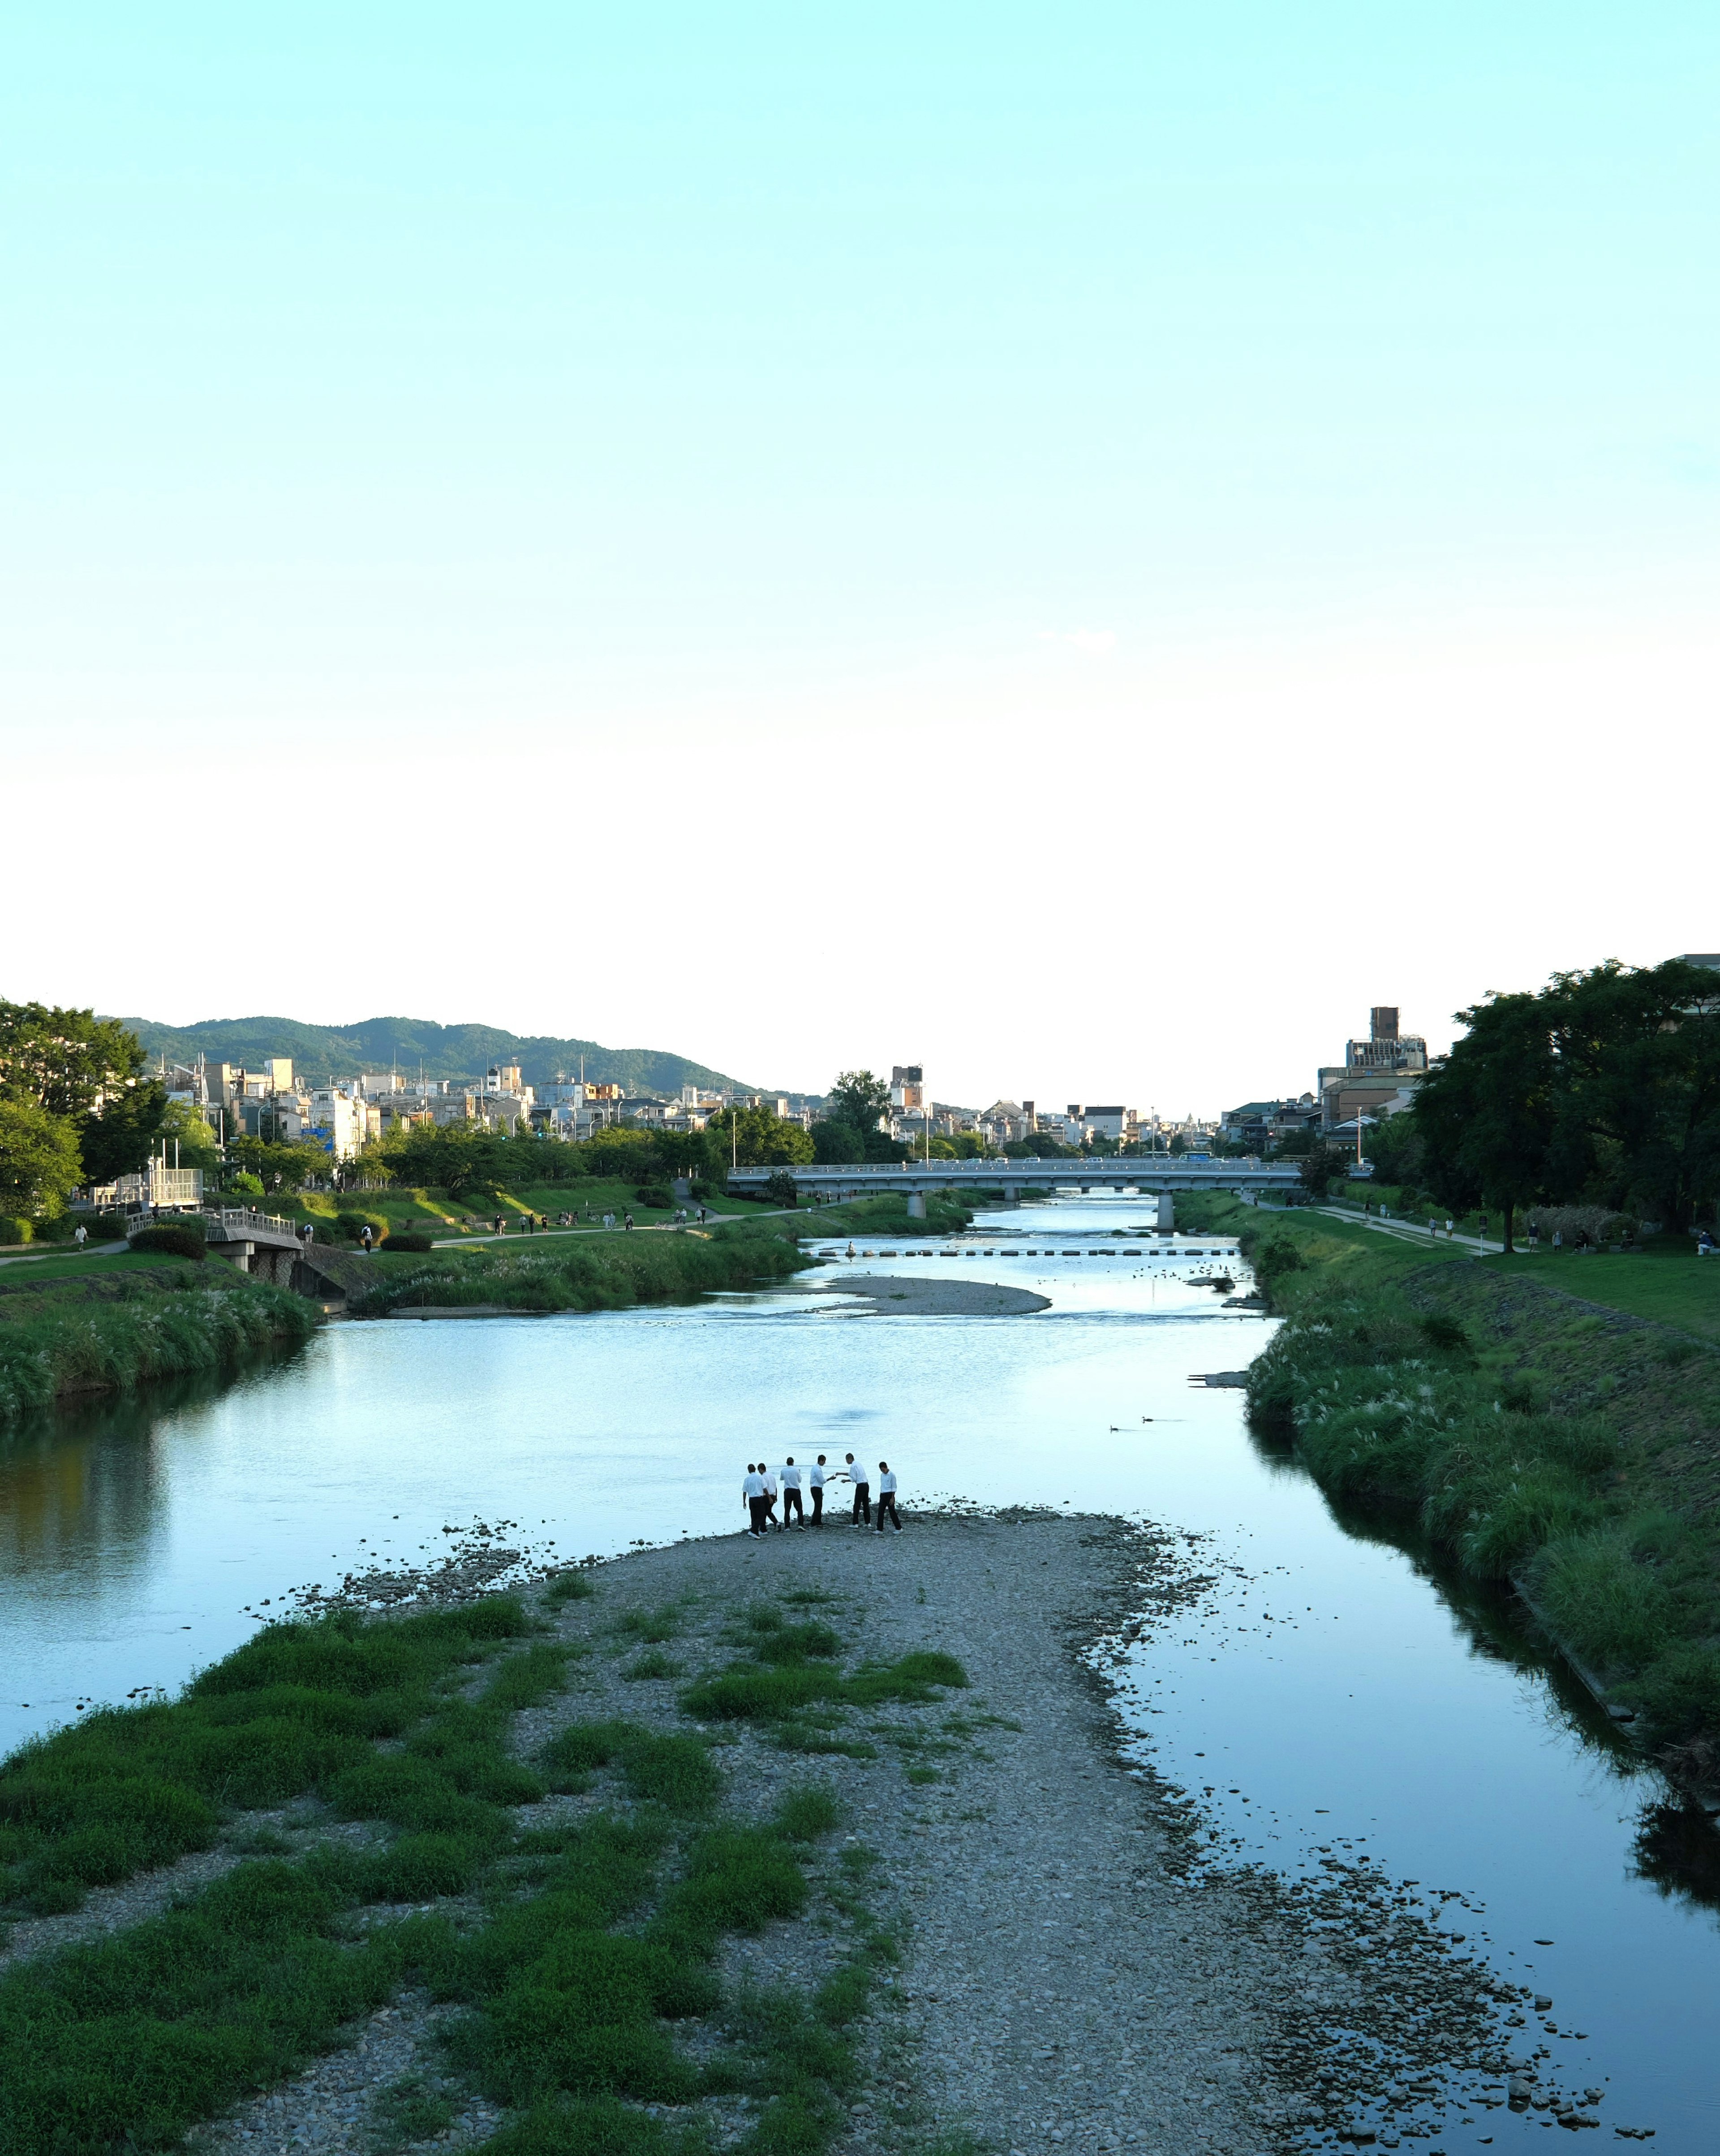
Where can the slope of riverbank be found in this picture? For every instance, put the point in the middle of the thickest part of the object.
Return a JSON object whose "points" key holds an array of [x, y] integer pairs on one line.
{"points": [[609, 1272], [94, 1331], [1543, 1438]]}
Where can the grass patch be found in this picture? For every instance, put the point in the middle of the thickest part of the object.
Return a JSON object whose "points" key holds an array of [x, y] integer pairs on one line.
{"points": [[294, 1712], [673, 1771], [569, 1587], [654, 1626], [789, 1681], [411, 2110], [655, 1665]]}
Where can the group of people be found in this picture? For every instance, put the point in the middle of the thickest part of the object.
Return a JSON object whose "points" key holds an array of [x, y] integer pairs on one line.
{"points": [[765, 1484]]}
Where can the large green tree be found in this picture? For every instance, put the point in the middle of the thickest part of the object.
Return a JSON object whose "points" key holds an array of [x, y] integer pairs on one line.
{"points": [[124, 1131], [39, 1163], [63, 1060], [858, 1098], [1602, 1088], [1484, 1114], [1638, 1120], [758, 1137]]}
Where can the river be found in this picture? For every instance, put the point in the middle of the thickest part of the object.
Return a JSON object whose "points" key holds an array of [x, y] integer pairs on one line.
{"points": [[1362, 1700]]}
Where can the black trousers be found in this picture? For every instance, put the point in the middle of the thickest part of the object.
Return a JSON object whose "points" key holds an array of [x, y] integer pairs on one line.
{"points": [[757, 1507], [863, 1502], [792, 1508], [886, 1503], [818, 1504]]}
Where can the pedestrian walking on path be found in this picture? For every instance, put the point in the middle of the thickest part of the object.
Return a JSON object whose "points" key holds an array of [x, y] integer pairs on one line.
{"points": [[753, 1497], [770, 1495], [815, 1483], [887, 1496], [792, 1508], [862, 1482]]}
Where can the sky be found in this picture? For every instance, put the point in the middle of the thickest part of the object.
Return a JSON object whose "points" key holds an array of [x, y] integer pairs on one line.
{"points": [[1079, 548]]}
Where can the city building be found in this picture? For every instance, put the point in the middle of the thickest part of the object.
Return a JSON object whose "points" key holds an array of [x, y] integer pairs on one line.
{"points": [[907, 1087], [1095, 1122], [1260, 1125], [1377, 1076]]}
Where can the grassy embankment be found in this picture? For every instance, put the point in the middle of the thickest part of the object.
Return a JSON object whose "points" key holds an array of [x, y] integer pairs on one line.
{"points": [[1569, 1448], [71, 1325], [946, 1213], [572, 1948], [591, 1272]]}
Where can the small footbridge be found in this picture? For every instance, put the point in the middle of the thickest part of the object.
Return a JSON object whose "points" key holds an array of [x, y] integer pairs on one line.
{"points": [[267, 1247]]}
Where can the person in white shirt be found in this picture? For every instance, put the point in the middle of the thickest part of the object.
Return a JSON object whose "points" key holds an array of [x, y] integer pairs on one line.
{"points": [[815, 1483], [753, 1497], [792, 1509], [862, 1482], [770, 1495], [887, 1497]]}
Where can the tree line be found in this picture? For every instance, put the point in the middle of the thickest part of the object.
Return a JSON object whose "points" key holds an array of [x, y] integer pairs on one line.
{"points": [[1601, 1089], [78, 1106]]}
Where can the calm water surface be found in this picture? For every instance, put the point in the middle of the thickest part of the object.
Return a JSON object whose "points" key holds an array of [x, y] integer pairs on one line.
{"points": [[1337, 1692]]}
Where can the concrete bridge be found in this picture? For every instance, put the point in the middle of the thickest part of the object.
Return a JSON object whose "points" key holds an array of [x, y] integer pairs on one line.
{"points": [[1149, 1175], [259, 1243]]}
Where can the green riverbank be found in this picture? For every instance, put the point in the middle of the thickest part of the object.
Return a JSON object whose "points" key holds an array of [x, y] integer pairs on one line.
{"points": [[118, 1324], [589, 1272], [1540, 1436], [411, 1810]]}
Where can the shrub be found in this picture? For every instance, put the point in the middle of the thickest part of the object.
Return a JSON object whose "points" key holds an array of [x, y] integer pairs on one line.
{"points": [[411, 1240], [1274, 1258], [172, 1241], [250, 1185], [781, 1188], [657, 1194], [569, 1587], [12, 1229]]}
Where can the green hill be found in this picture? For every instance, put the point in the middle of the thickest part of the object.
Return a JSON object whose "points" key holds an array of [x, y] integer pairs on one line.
{"points": [[444, 1051]]}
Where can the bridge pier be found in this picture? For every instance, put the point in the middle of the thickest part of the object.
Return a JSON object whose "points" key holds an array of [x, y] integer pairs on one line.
{"points": [[917, 1205], [1167, 1213], [1012, 1191]]}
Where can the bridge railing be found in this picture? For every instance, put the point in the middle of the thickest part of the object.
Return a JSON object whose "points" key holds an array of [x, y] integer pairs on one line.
{"points": [[236, 1222], [1098, 1170]]}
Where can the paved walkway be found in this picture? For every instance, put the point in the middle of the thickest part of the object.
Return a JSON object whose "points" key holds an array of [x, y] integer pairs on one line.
{"points": [[1406, 1231]]}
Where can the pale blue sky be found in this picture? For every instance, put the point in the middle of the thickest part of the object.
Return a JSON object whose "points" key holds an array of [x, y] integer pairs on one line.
{"points": [[786, 397]]}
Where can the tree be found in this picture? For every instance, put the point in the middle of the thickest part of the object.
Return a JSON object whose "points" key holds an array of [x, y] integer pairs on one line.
{"points": [[40, 1162], [294, 1165], [1484, 1114], [837, 1144], [1320, 1169], [119, 1137], [1637, 1117], [758, 1137], [62, 1060], [858, 1098]]}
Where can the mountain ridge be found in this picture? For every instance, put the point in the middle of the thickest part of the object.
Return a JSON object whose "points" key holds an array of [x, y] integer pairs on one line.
{"points": [[444, 1051]]}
